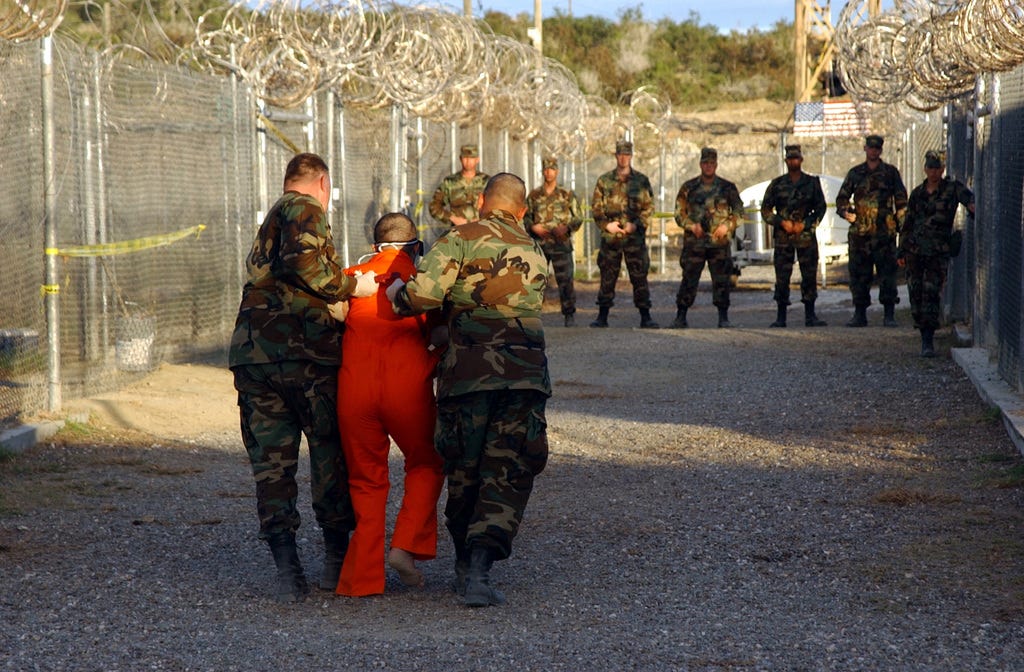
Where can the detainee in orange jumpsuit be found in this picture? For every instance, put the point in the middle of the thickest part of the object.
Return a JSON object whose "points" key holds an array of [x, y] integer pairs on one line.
{"points": [[385, 389]]}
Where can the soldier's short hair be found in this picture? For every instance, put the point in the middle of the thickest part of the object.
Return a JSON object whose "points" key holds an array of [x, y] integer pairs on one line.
{"points": [[305, 166], [708, 154], [394, 227], [934, 159], [623, 147], [549, 162], [874, 141], [471, 151], [793, 152], [506, 188]]}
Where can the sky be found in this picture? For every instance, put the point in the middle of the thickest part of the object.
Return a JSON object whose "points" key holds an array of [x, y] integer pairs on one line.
{"points": [[726, 15]]}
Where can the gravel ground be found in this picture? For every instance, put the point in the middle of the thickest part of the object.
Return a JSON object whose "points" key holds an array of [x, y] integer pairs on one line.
{"points": [[744, 499]]}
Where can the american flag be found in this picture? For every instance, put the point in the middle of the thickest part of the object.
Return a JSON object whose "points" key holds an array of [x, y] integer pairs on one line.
{"points": [[831, 118]]}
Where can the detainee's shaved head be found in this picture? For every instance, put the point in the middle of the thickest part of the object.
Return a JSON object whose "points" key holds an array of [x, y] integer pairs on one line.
{"points": [[394, 227]]}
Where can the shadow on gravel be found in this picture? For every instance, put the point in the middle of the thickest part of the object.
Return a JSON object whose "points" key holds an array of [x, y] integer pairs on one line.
{"points": [[758, 499]]}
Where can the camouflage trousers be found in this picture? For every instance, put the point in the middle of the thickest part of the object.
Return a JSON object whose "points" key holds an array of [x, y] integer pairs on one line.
{"points": [[638, 263], [873, 256], [493, 444], [278, 403], [564, 268], [926, 275], [807, 257], [719, 261]]}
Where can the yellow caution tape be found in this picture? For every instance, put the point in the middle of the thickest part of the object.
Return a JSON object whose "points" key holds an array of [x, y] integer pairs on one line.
{"points": [[124, 246], [49, 289]]}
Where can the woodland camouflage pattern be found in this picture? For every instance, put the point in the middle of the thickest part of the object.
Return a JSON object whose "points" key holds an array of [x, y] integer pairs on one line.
{"points": [[710, 206], [929, 221], [629, 200], [800, 201], [457, 196], [293, 273], [924, 245], [879, 199], [500, 487], [490, 277], [558, 208]]}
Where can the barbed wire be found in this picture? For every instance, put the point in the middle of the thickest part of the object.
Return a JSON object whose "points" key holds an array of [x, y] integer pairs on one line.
{"points": [[924, 53], [26, 20]]}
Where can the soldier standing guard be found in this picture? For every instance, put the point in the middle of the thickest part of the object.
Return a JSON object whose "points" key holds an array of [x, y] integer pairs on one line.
{"points": [[455, 199], [794, 205], [709, 209], [552, 216], [622, 207], [925, 244], [879, 204]]}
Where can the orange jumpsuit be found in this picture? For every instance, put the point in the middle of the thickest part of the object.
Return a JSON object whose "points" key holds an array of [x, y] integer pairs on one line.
{"points": [[385, 388]]}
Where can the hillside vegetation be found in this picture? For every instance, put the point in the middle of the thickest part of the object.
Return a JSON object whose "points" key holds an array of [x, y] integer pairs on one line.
{"points": [[690, 63]]}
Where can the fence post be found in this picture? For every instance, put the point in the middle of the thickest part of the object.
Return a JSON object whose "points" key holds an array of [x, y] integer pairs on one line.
{"points": [[51, 288]]}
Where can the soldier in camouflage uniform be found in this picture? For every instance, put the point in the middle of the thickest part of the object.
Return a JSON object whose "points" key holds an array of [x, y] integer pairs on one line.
{"points": [[924, 247], [493, 380], [552, 216], [285, 352], [879, 204], [709, 209], [455, 200], [622, 207], [794, 204]]}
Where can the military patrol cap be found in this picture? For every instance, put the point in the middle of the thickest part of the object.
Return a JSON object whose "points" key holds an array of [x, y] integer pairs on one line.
{"points": [[623, 147], [933, 159], [549, 162], [793, 152], [708, 154], [874, 141], [469, 150]]}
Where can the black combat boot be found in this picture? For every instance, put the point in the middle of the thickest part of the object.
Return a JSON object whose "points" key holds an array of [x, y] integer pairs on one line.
{"points": [[602, 317], [780, 319], [479, 591], [335, 547], [860, 317], [461, 569], [680, 321], [723, 317], [291, 582], [810, 319], [570, 320], [889, 320], [646, 322], [927, 342]]}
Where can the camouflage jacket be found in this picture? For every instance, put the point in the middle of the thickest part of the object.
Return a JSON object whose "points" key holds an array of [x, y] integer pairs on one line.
{"points": [[293, 273], [629, 200], [929, 221], [879, 199], [457, 196], [558, 208], [489, 276], [709, 205], [800, 201]]}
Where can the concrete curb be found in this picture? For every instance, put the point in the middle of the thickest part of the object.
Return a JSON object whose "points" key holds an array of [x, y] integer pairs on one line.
{"points": [[994, 390], [20, 439]]}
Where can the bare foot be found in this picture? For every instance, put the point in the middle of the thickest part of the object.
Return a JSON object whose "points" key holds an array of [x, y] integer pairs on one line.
{"points": [[402, 562]]}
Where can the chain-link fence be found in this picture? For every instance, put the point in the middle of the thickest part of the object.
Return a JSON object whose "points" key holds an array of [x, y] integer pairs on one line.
{"points": [[140, 186]]}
